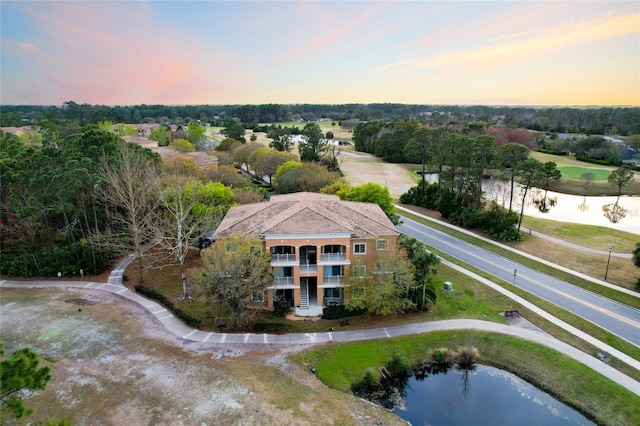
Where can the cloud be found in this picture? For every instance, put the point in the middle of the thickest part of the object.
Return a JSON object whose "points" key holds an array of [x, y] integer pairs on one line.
{"points": [[337, 31], [546, 41], [25, 50], [121, 53], [510, 48]]}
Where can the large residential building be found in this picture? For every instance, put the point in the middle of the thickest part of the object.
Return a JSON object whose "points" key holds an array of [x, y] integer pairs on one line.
{"points": [[314, 241]]}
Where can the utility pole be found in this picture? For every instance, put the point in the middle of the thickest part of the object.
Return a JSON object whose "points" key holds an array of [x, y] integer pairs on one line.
{"points": [[606, 272]]}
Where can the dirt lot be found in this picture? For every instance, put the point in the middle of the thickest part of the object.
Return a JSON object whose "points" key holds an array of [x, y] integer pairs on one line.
{"points": [[360, 168], [114, 364]]}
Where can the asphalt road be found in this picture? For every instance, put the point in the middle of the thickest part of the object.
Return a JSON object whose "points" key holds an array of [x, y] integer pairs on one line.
{"points": [[615, 317]]}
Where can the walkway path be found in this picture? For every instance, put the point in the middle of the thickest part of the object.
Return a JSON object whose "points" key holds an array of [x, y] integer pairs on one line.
{"points": [[179, 329]]}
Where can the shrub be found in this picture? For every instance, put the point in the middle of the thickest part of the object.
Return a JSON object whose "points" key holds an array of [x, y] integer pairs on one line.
{"points": [[466, 356], [443, 357], [398, 365], [341, 311], [281, 308], [161, 298], [270, 327]]}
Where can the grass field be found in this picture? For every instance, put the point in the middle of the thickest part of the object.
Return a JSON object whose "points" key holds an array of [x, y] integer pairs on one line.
{"points": [[576, 173], [572, 170]]}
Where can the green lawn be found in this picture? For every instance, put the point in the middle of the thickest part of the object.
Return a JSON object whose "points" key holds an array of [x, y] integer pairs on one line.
{"points": [[566, 379], [575, 173], [597, 237]]}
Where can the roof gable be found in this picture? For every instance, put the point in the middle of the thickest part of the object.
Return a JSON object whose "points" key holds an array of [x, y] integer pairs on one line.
{"points": [[307, 213]]}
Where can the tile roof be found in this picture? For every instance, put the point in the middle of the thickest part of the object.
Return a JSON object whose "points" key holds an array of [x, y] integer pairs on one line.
{"points": [[306, 213]]}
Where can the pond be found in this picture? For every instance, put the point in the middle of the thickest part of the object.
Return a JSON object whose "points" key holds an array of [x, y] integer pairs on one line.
{"points": [[483, 396], [585, 210]]}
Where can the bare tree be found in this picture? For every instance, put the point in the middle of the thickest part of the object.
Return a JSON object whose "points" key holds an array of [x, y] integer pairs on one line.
{"points": [[131, 197], [189, 208]]}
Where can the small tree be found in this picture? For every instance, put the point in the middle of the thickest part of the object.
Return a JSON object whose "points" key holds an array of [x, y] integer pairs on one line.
{"points": [[280, 139], [233, 270], [372, 193], [162, 135], [620, 178], [183, 145], [636, 255], [423, 262], [195, 135], [530, 173], [20, 372], [314, 148], [550, 173], [188, 208], [234, 129], [636, 261], [510, 156], [384, 287]]}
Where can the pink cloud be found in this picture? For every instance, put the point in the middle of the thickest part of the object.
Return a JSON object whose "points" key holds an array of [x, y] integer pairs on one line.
{"points": [[26, 51], [113, 53], [337, 32]]}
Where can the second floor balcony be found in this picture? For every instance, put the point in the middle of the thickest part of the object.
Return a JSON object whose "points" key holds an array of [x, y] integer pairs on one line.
{"points": [[282, 259], [334, 258], [308, 268], [332, 280], [282, 282]]}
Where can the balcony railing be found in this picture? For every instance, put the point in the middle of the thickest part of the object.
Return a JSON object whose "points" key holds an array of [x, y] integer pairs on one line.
{"points": [[332, 279], [282, 281], [283, 258], [332, 301], [333, 257], [308, 268]]}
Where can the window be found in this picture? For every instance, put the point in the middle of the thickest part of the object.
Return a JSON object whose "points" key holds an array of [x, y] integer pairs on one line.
{"points": [[359, 270], [333, 293], [357, 292], [382, 267], [360, 248], [230, 247], [382, 244], [257, 296]]}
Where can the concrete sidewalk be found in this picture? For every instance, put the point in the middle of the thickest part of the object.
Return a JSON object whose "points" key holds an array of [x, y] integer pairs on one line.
{"points": [[182, 331]]}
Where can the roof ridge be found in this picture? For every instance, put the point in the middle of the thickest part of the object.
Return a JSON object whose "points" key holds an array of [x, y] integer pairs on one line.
{"points": [[347, 205]]}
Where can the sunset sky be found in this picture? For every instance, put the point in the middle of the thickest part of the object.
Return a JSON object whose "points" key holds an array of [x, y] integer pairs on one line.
{"points": [[249, 52]]}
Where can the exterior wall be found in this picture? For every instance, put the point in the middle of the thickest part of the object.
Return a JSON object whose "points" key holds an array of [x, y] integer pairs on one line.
{"points": [[368, 258]]}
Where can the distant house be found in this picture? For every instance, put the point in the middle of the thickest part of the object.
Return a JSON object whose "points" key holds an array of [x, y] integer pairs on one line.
{"points": [[203, 160], [631, 156], [314, 241]]}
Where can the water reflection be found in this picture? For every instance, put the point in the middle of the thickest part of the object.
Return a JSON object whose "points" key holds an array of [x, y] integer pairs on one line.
{"points": [[481, 396], [586, 210]]}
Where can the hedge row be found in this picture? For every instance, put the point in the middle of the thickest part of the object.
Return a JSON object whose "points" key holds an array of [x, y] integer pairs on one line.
{"points": [[340, 311], [159, 297], [270, 327]]}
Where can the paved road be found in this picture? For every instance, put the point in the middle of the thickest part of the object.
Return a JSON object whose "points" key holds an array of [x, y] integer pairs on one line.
{"points": [[615, 317]]}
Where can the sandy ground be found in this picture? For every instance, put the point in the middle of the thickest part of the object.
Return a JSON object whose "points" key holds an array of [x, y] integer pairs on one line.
{"points": [[114, 364], [360, 168]]}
